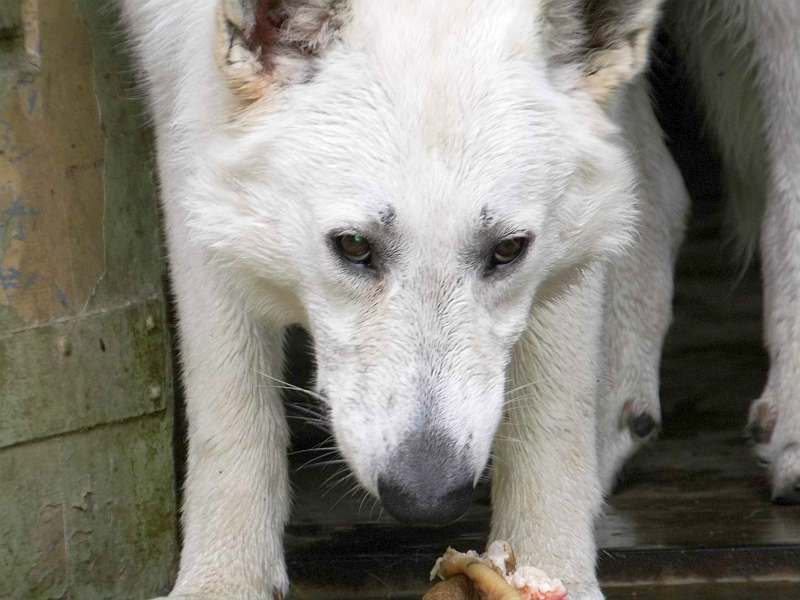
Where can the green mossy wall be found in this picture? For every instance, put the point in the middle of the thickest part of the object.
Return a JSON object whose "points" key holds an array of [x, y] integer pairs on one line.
{"points": [[87, 493]]}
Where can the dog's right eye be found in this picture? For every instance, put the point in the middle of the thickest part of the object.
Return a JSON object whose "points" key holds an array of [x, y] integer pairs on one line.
{"points": [[355, 248]]}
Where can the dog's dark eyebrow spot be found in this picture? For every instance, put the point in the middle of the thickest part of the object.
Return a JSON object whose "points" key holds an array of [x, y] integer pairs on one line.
{"points": [[388, 215], [486, 216]]}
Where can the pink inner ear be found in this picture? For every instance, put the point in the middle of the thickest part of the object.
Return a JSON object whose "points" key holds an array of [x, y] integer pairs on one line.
{"points": [[265, 33]]}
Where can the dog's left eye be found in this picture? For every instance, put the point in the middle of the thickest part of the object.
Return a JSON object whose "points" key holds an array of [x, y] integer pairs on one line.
{"points": [[509, 250], [355, 248]]}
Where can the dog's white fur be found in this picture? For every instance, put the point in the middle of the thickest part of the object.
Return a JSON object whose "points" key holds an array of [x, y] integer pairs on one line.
{"points": [[431, 124]]}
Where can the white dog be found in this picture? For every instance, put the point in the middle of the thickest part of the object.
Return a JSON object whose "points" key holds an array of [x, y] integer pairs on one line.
{"points": [[470, 207]]}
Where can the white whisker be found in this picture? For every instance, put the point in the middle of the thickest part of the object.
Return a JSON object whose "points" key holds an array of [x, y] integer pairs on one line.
{"points": [[290, 386]]}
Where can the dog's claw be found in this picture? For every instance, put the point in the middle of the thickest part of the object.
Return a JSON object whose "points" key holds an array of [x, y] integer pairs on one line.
{"points": [[642, 425], [639, 422], [761, 424], [757, 434]]}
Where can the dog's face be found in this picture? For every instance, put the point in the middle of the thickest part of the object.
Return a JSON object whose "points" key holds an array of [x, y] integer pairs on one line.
{"points": [[410, 192]]}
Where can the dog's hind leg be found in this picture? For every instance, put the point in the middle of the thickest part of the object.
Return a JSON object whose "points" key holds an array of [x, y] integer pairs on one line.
{"points": [[775, 417], [545, 486], [639, 292], [745, 57]]}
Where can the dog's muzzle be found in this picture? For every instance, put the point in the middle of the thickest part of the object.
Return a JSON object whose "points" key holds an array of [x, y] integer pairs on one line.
{"points": [[427, 481]]}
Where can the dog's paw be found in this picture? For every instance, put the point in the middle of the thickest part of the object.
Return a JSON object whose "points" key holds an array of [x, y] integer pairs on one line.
{"points": [[785, 474], [777, 447], [636, 423]]}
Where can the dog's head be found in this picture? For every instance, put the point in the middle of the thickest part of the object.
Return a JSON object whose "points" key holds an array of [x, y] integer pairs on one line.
{"points": [[408, 179]]}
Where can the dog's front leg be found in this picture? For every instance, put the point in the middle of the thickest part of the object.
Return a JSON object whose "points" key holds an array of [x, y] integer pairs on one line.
{"points": [[236, 490], [546, 489]]}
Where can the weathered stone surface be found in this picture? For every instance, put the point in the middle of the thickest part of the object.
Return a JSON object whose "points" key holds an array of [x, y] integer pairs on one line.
{"points": [[97, 369], [87, 496], [51, 172], [88, 515]]}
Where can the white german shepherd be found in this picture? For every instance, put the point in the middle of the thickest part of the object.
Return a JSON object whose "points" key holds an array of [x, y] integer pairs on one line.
{"points": [[470, 207]]}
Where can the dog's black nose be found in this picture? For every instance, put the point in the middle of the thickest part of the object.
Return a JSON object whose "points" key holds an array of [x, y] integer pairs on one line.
{"points": [[427, 482], [424, 507]]}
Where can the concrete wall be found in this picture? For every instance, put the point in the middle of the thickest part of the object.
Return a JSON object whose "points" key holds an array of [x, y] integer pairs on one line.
{"points": [[87, 494]]}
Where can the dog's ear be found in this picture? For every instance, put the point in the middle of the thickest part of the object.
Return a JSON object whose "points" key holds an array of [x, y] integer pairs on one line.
{"points": [[264, 43], [609, 39]]}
